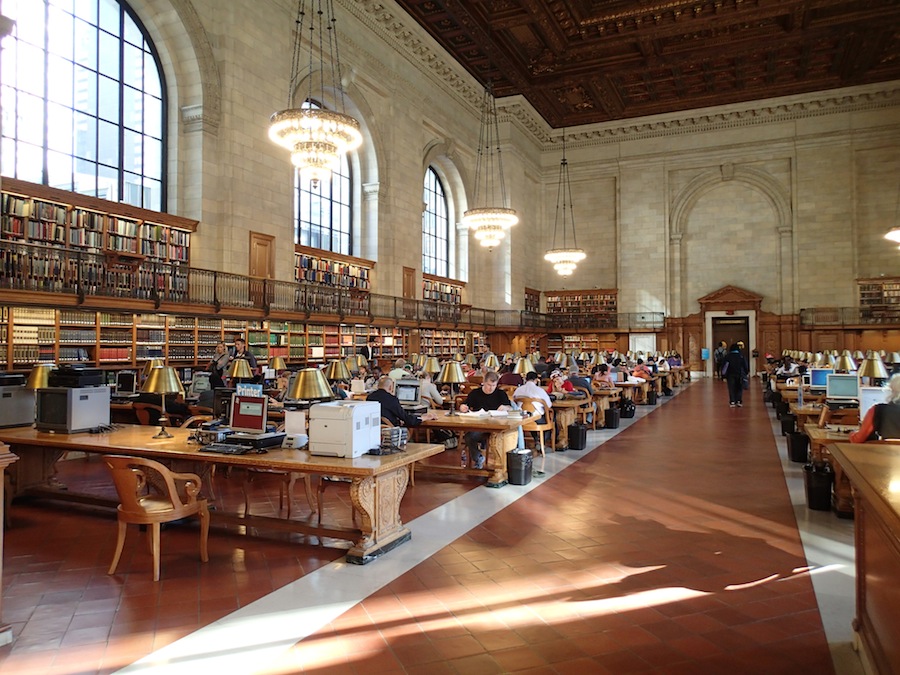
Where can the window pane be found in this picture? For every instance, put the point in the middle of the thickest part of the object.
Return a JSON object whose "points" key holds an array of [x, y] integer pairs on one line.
{"points": [[152, 112], [59, 170], [30, 75], [109, 99], [85, 90], [85, 177], [60, 33], [152, 157], [132, 107], [86, 136], [30, 24], [85, 44], [152, 84], [132, 32], [133, 66], [87, 9], [152, 194], [9, 157], [109, 55], [109, 16], [29, 162], [59, 88], [107, 183], [59, 128], [133, 150], [67, 5], [30, 120], [109, 143]]}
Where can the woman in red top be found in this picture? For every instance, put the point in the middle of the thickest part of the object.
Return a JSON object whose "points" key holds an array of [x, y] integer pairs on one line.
{"points": [[883, 420], [559, 385]]}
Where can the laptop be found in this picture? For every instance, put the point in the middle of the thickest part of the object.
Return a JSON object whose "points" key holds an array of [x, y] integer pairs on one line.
{"points": [[407, 392], [126, 386]]}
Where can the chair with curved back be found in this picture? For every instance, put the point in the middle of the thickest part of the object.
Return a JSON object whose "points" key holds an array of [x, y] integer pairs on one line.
{"points": [[588, 409], [528, 405], [147, 413], [151, 494]]}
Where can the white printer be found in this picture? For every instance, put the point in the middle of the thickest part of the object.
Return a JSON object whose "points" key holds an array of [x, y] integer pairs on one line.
{"points": [[344, 428]]}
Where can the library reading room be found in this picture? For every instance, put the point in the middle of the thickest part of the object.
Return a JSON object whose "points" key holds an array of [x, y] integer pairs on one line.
{"points": [[449, 336]]}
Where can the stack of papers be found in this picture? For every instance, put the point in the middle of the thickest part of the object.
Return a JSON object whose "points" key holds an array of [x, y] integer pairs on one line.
{"points": [[485, 413]]}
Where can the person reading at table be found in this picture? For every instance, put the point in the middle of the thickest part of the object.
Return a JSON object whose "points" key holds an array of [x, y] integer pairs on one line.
{"points": [[486, 397], [882, 421], [602, 378], [391, 410], [558, 388], [531, 389]]}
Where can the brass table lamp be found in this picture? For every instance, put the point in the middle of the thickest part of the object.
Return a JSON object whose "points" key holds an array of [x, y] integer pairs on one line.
{"points": [[310, 384], [39, 377], [240, 370], [162, 380], [277, 364], [431, 365], [523, 367], [451, 373]]}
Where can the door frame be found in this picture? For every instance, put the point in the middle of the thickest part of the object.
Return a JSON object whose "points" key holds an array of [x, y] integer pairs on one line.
{"points": [[729, 314]]}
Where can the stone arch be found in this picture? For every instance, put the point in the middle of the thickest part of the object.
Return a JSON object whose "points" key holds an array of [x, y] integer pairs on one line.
{"points": [[684, 204]]}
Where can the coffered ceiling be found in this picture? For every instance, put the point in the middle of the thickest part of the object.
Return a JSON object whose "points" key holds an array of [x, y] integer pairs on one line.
{"points": [[587, 61]]}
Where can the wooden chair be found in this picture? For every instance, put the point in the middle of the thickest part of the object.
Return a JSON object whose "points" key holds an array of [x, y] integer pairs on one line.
{"points": [[147, 413], [195, 421], [510, 390], [588, 409], [528, 404], [151, 494]]}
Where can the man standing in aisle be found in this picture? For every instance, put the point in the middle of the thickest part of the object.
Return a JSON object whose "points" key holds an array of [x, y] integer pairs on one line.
{"points": [[486, 397]]}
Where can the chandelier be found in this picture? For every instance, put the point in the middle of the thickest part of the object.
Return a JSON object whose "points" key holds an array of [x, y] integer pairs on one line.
{"points": [[565, 258], [490, 218], [316, 138], [894, 233]]}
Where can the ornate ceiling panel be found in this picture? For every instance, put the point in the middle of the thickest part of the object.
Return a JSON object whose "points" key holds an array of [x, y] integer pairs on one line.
{"points": [[587, 61]]}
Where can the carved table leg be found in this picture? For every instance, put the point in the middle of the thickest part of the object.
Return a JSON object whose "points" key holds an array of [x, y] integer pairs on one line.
{"points": [[498, 445], [377, 500]]}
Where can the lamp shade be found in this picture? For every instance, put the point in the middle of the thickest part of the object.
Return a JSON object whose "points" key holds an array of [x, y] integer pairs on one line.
{"points": [[277, 363], [336, 370], [523, 367], [893, 358], [872, 367], [451, 373], [420, 361], [162, 380], [459, 358], [309, 384], [844, 362], [471, 360], [361, 361], [150, 365], [39, 377], [491, 361], [240, 368], [507, 357], [859, 356], [431, 365]]}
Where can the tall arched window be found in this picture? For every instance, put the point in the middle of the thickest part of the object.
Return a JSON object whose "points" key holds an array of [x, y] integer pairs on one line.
{"points": [[435, 227], [83, 101], [322, 217]]}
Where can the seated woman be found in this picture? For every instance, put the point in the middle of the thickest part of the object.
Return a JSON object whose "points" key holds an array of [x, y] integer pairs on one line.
{"points": [[883, 420], [602, 378], [429, 389]]}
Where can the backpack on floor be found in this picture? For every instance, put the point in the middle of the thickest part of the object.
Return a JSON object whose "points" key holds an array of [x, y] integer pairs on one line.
{"points": [[627, 408]]}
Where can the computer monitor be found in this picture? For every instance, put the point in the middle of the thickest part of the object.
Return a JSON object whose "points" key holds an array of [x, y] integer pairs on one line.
{"points": [[407, 391], [126, 383], [199, 384], [842, 386], [805, 379], [248, 414], [222, 402], [290, 384], [870, 396], [818, 377]]}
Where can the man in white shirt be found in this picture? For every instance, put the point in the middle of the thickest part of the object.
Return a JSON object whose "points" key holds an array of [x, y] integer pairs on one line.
{"points": [[399, 371], [531, 390]]}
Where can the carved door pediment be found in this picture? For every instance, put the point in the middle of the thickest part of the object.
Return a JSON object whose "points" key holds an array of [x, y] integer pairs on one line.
{"points": [[730, 298]]}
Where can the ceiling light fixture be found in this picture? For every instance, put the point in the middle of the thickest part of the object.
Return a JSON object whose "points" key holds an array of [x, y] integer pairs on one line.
{"points": [[316, 138], [565, 258], [491, 216]]}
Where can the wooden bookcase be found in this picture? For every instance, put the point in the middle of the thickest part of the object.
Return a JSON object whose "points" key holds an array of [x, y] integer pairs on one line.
{"points": [[444, 344], [315, 266], [599, 303], [119, 340], [532, 300], [441, 289], [879, 299]]}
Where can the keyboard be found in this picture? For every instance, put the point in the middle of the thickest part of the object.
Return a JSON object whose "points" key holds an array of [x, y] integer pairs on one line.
{"points": [[229, 449]]}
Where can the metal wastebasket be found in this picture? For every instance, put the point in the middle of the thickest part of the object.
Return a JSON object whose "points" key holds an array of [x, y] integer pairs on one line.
{"points": [[518, 466], [819, 478]]}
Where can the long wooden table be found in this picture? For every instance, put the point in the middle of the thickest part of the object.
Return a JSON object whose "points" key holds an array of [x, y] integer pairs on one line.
{"points": [[874, 471], [503, 436], [377, 483]]}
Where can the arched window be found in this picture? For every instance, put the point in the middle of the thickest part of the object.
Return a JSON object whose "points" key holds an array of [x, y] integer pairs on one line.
{"points": [[322, 215], [83, 101], [435, 227]]}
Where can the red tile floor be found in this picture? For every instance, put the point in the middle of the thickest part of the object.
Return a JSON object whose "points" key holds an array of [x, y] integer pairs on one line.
{"points": [[671, 548]]}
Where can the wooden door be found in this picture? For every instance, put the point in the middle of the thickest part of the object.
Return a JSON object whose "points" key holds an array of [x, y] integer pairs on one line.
{"points": [[262, 256], [409, 293]]}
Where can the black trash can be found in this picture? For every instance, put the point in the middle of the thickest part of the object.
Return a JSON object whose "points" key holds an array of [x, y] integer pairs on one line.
{"points": [[651, 397], [782, 408], [611, 418], [819, 478], [518, 466], [788, 424], [577, 437], [798, 447]]}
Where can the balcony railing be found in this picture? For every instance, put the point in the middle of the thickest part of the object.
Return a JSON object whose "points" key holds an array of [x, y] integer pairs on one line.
{"points": [[30, 267], [849, 316]]}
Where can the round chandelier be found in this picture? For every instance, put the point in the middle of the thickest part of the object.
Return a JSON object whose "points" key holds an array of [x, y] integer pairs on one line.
{"points": [[565, 258], [489, 224], [316, 138]]}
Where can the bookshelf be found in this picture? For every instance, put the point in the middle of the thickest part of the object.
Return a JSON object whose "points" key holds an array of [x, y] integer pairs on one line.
{"points": [[43, 215], [879, 299], [120, 340], [444, 344], [315, 266], [441, 289], [599, 303], [532, 300]]}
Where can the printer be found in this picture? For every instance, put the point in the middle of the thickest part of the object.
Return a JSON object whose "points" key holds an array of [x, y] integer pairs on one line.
{"points": [[16, 402], [344, 428]]}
